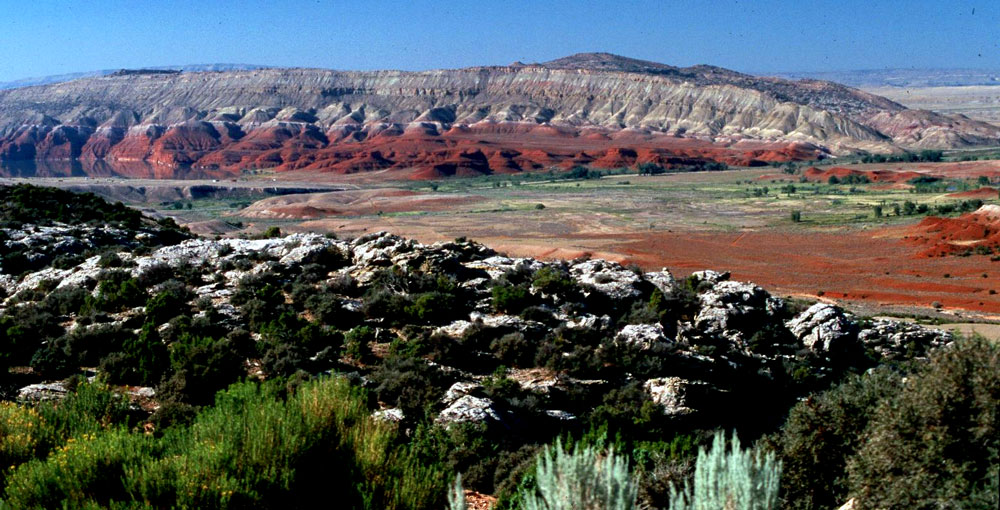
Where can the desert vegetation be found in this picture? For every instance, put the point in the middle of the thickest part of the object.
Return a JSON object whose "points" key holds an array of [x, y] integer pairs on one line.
{"points": [[256, 373]]}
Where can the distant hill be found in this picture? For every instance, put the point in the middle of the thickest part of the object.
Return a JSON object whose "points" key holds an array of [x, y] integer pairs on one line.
{"points": [[594, 109], [60, 78], [875, 78]]}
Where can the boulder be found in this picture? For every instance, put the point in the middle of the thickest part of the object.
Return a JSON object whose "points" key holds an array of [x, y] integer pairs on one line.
{"points": [[709, 277], [663, 280], [897, 340], [824, 328], [609, 278], [560, 415], [459, 390], [497, 265], [391, 415], [469, 409], [142, 392], [674, 394], [42, 392], [643, 336], [587, 321], [734, 311]]}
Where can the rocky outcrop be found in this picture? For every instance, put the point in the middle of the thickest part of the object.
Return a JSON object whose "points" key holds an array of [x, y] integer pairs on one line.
{"points": [[824, 328], [828, 330], [595, 109], [735, 310], [643, 337], [42, 392], [896, 340], [609, 278], [469, 409], [738, 331], [676, 396]]}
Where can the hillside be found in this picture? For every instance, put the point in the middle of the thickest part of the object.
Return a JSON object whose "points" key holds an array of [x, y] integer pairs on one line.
{"points": [[226, 373], [597, 109]]}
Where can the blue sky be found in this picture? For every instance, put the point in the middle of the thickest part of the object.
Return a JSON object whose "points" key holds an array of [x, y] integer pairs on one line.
{"points": [[45, 37]]}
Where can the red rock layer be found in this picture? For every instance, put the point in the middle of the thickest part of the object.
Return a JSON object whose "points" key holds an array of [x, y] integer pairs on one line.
{"points": [[420, 150], [823, 175], [945, 236]]}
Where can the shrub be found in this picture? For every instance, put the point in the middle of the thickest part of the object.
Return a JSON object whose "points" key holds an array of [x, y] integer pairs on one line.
{"points": [[110, 259], [202, 365], [828, 426], [433, 307], [116, 292], [357, 343], [168, 303], [510, 298], [253, 449], [582, 479], [935, 444], [271, 232], [20, 439], [797, 215], [410, 384], [88, 409], [735, 479], [514, 349], [651, 169], [143, 359], [42, 205], [552, 281]]}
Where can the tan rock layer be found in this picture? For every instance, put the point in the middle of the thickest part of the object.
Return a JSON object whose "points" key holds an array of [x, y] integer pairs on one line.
{"points": [[592, 108]]}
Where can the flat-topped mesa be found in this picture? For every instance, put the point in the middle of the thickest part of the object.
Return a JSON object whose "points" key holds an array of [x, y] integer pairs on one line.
{"points": [[500, 119]]}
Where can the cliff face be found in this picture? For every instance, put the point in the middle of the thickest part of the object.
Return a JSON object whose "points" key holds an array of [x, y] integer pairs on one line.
{"points": [[590, 108]]}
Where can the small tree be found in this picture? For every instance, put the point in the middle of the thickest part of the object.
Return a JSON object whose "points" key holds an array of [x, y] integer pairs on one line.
{"points": [[730, 480], [651, 169]]}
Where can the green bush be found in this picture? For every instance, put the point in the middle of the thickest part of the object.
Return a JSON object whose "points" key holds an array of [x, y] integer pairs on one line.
{"points": [[43, 206], [510, 298], [168, 304], [934, 444], [357, 344], [143, 360], [253, 449], [20, 436], [271, 232], [828, 426], [116, 292], [433, 307], [201, 366], [731, 478], [553, 281], [582, 479], [410, 384]]}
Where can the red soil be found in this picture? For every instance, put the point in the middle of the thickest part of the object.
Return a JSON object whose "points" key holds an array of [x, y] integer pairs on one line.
{"points": [[984, 192], [854, 266], [939, 237], [891, 176]]}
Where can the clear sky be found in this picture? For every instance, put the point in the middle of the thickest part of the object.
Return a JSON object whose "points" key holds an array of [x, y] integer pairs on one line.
{"points": [[45, 37]]}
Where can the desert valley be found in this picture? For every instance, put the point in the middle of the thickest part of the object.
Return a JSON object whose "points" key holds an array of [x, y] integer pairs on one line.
{"points": [[593, 282]]}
